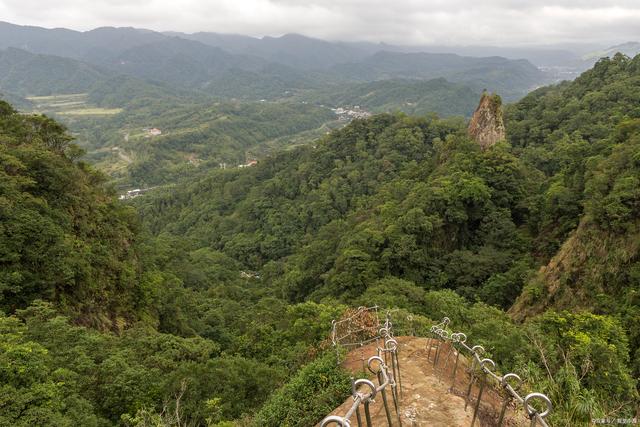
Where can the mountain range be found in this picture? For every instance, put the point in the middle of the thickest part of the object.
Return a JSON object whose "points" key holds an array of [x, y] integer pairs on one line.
{"points": [[240, 66], [237, 66]]}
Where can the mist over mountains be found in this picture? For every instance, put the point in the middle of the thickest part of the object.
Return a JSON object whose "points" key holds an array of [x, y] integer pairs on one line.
{"points": [[216, 63], [236, 66]]}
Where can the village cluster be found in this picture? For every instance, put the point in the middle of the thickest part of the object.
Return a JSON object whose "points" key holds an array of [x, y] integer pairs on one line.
{"points": [[350, 113], [132, 194]]}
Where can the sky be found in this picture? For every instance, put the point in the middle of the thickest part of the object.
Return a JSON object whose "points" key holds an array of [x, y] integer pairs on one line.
{"points": [[410, 22]]}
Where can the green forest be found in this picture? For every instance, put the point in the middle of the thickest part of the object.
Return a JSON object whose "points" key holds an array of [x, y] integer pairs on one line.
{"points": [[415, 97], [209, 302]]}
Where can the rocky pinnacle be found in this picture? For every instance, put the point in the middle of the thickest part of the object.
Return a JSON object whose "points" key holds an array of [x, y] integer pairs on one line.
{"points": [[486, 126]]}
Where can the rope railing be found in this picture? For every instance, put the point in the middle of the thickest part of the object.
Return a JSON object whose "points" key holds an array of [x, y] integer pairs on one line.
{"points": [[378, 365], [481, 370]]}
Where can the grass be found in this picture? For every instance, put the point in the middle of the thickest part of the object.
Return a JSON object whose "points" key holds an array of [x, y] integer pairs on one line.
{"points": [[73, 104]]}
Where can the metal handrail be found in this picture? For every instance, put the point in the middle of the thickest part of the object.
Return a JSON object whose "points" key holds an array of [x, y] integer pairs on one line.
{"points": [[385, 378], [459, 339], [481, 370]]}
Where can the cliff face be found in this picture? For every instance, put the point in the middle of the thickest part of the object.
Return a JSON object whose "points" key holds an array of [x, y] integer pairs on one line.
{"points": [[487, 126]]}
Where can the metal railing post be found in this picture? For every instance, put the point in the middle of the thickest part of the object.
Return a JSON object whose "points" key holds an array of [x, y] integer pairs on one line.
{"points": [[358, 417], [399, 374], [475, 351], [504, 382], [483, 381], [461, 339], [471, 381]]}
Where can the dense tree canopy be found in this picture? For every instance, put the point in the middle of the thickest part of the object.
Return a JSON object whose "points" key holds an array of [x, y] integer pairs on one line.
{"points": [[393, 207], [63, 236]]}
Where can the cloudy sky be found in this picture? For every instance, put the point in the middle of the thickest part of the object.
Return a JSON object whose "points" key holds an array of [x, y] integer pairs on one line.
{"points": [[453, 22]]}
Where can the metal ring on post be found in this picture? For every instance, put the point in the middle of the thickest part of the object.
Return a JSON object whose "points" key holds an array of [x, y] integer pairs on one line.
{"points": [[461, 337], [488, 361], [531, 410], [371, 385], [504, 382], [509, 395], [478, 349], [375, 359], [335, 419], [393, 342]]}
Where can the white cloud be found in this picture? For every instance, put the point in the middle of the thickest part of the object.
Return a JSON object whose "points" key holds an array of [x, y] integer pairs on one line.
{"points": [[503, 22]]}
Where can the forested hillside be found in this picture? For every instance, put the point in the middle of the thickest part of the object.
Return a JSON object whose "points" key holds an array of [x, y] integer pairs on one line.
{"points": [[25, 74], [64, 238], [218, 301], [393, 206], [196, 135], [415, 97], [392, 196], [75, 266], [585, 137]]}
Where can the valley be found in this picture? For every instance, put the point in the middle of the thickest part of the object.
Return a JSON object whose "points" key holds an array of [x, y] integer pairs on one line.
{"points": [[252, 129], [184, 138]]}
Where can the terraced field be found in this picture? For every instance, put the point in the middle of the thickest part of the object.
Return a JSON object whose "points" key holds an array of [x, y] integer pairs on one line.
{"points": [[69, 105]]}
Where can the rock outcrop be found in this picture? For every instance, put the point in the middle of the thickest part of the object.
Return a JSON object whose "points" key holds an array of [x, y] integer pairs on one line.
{"points": [[487, 126]]}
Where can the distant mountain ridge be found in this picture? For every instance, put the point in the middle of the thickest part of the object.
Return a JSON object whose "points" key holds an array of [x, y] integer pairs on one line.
{"points": [[507, 76], [24, 73], [630, 49], [241, 66], [293, 50]]}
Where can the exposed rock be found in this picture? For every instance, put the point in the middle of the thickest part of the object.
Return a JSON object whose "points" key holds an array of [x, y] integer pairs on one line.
{"points": [[487, 126]]}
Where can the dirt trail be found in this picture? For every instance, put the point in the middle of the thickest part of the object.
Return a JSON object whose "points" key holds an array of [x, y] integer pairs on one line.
{"points": [[428, 398]]}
